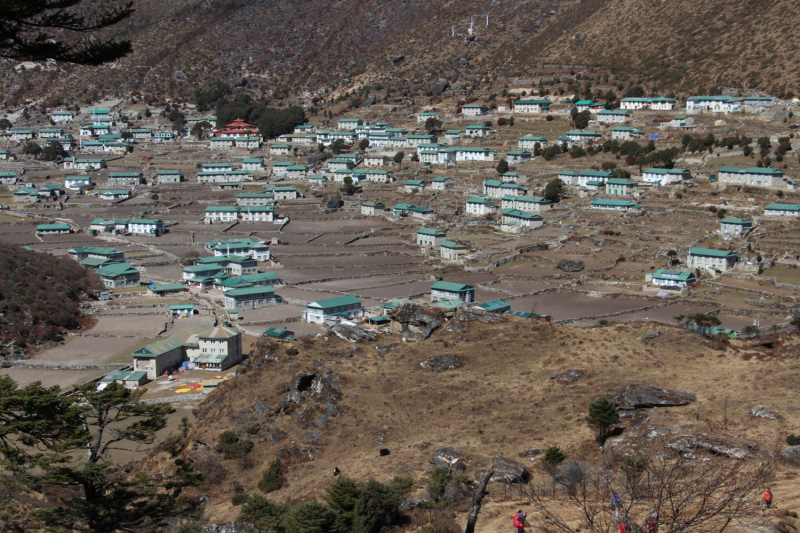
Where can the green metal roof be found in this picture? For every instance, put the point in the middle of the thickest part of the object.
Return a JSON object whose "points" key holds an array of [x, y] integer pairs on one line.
{"points": [[250, 291], [117, 269], [677, 275], [494, 305], [330, 303], [737, 221], [782, 207], [431, 231], [452, 287], [453, 245], [45, 227], [167, 287], [711, 252]]}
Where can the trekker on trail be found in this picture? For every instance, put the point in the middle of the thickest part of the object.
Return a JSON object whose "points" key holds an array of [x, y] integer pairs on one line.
{"points": [[616, 504], [767, 498], [519, 521]]}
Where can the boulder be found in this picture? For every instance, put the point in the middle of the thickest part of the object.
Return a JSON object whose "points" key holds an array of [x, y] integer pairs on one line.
{"points": [[571, 265], [446, 457], [641, 396], [440, 85], [791, 454], [709, 443], [416, 319], [334, 201], [398, 58], [651, 335], [759, 412], [351, 333], [466, 313], [570, 377], [600, 243], [440, 363], [507, 471]]}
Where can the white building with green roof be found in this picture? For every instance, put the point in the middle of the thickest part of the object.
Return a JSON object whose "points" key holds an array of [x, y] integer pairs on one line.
{"points": [[626, 133], [616, 205], [710, 259], [753, 176], [532, 105], [445, 290], [430, 237], [781, 210], [332, 310], [480, 206], [665, 176], [250, 298], [453, 251], [119, 275], [613, 116], [670, 278], [734, 227]]}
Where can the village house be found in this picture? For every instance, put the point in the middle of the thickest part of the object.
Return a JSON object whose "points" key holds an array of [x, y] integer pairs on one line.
{"points": [[254, 199], [532, 106], [53, 229], [114, 194], [372, 208], [754, 176], [223, 176], [8, 178], [781, 210], [684, 122], [430, 237], [374, 160], [105, 255], [170, 176], [589, 105], [474, 110], [529, 142], [498, 189], [257, 214], [250, 298], [527, 204], [279, 334], [478, 131], [714, 104], [296, 172], [583, 136], [422, 117], [248, 143], [4, 155], [620, 186], [181, 310], [583, 177], [166, 289], [445, 290], [221, 213], [305, 128], [413, 141], [142, 134], [286, 192], [72, 163], [222, 143], [119, 275], [452, 136], [473, 154], [634, 103], [670, 278], [145, 226], [613, 116], [206, 347], [480, 206], [125, 179], [253, 164], [77, 183], [101, 225], [710, 259], [734, 227], [379, 176], [349, 123], [441, 183], [61, 116], [22, 135], [50, 133], [281, 149], [331, 310], [665, 176], [514, 218], [452, 251], [241, 247], [340, 164], [617, 205], [663, 104], [513, 177], [758, 101], [517, 157], [625, 133], [414, 186]]}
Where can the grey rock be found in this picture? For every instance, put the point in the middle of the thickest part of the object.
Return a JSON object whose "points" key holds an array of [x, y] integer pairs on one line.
{"points": [[398, 58], [600, 243], [570, 377], [496, 3], [334, 201], [440, 363], [709, 443], [462, 63], [651, 335], [238, 82], [508, 471], [554, 375], [369, 100], [440, 85], [531, 452], [232, 527], [641, 396], [313, 436], [791, 454], [658, 431], [759, 412], [416, 319], [446, 457], [351, 333], [178, 75], [571, 265]]}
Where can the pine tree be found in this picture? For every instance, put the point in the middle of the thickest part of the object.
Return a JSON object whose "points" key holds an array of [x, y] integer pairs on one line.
{"points": [[272, 479], [310, 517], [603, 416], [265, 514], [553, 456], [341, 497], [502, 167]]}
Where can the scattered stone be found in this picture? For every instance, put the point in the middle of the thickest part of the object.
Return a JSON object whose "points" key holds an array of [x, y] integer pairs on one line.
{"points": [[709, 443], [759, 412], [334, 201], [571, 265], [554, 375], [261, 407], [600, 243], [791, 454], [439, 86], [446, 457], [658, 431], [642, 396], [178, 75], [398, 58], [351, 333], [440, 363], [570, 377], [531, 452], [651, 335]]}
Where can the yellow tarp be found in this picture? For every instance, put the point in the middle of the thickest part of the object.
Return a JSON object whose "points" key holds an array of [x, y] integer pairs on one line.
{"points": [[182, 390]]}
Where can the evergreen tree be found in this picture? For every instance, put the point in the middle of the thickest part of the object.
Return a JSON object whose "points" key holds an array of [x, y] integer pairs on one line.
{"points": [[29, 30], [341, 497], [310, 517], [375, 508], [52, 151], [265, 514], [347, 186], [554, 190], [502, 167], [272, 479], [603, 416], [433, 124], [553, 456]]}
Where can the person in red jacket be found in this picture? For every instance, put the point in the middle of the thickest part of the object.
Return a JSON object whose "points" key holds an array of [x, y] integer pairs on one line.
{"points": [[519, 521], [768, 498]]}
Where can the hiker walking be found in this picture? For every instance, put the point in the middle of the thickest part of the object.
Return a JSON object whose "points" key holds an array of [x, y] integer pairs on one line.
{"points": [[616, 504], [519, 521], [767, 498]]}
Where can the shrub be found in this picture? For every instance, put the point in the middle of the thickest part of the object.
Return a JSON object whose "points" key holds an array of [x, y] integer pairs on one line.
{"points": [[265, 514], [237, 450], [793, 440], [602, 322], [291, 352], [253, 430], [553, 456], [228, 437], [549, 118], [608, 165], [502, 121], [310, 517], [272, 479], [239, 497]]}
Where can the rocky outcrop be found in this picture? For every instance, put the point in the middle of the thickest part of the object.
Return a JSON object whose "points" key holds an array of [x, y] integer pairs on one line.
{"points": [[708, 443], [440, 85], [315, 396], [507, 471], [571, 376], [643, 396], [759, 412], [466, 313], [791, 454], [571, 265], [450, 458], [351, 333], [333, 202], [440, 363], [416, 319], [232, 527]]}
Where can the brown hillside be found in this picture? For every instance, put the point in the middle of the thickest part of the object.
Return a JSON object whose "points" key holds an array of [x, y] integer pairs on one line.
{"points": [[501, 401]]}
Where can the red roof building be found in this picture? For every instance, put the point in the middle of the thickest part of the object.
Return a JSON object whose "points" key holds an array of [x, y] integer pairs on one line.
{"points": [[237, 128]]}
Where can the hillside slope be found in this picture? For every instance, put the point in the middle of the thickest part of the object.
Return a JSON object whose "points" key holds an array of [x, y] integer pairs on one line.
{"points": [[501, 400], [302, 49]]}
